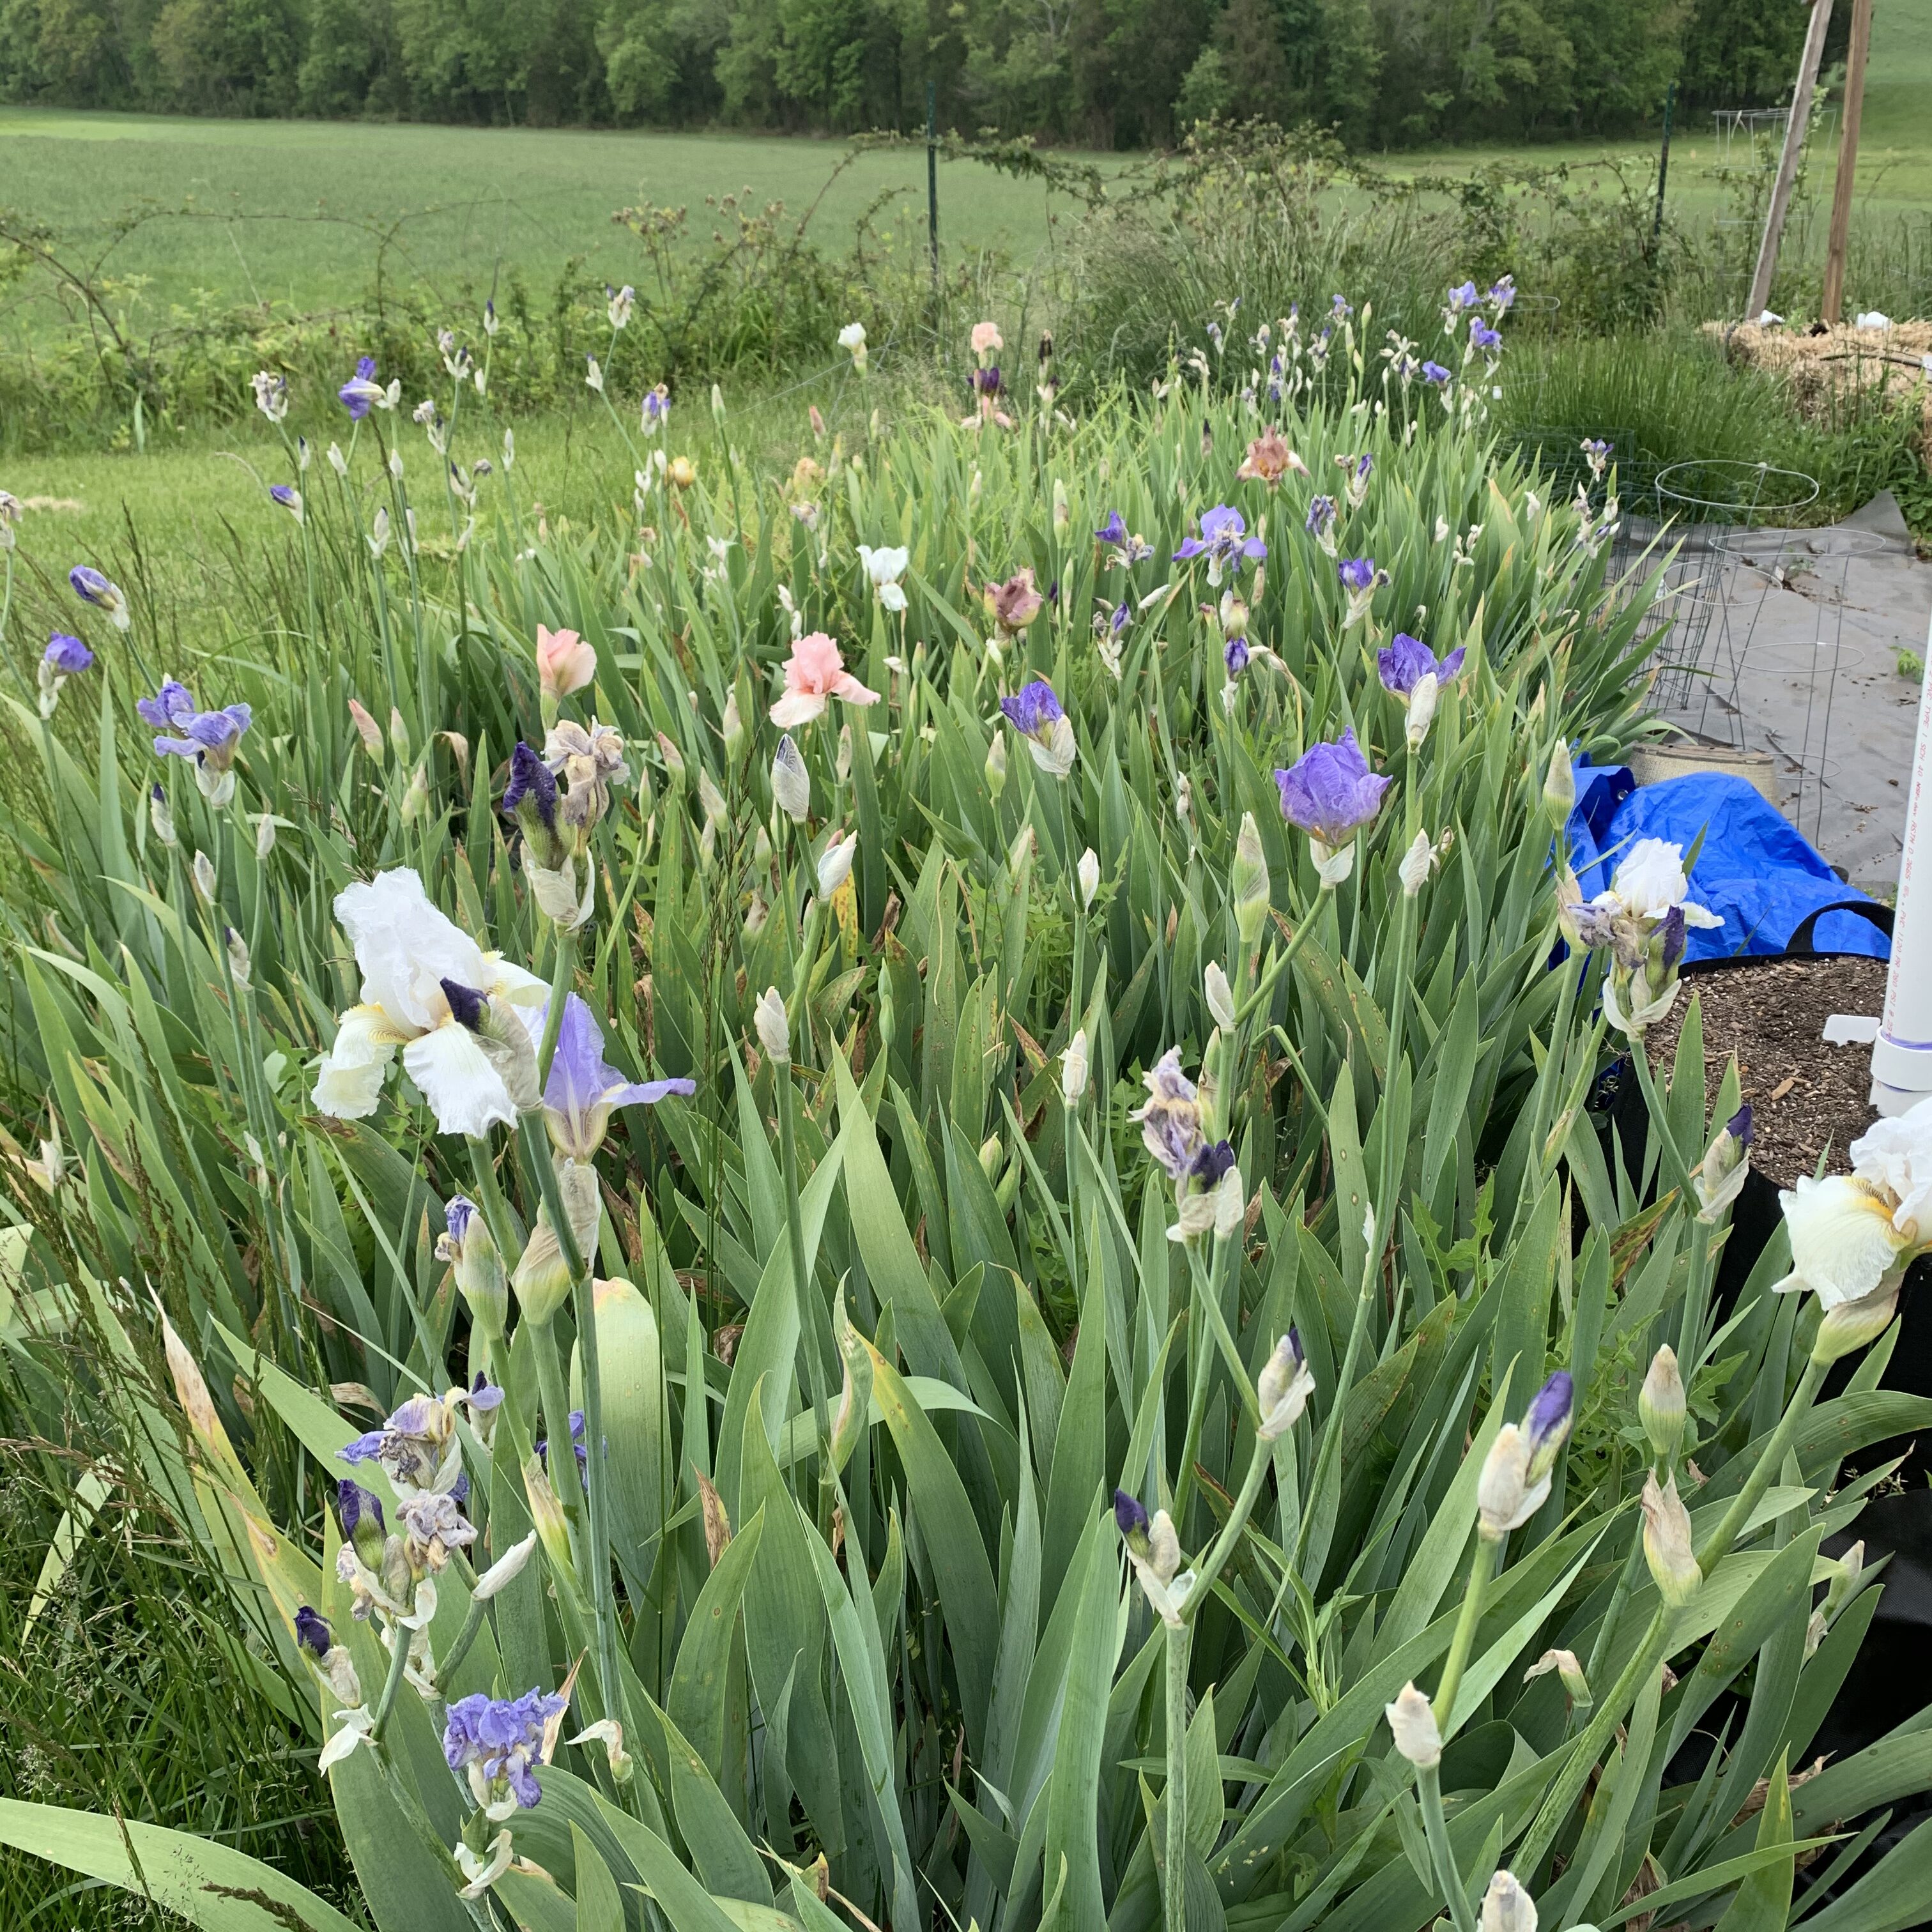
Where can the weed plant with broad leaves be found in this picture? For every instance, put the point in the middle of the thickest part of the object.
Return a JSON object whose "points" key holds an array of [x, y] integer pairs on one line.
{"points": [[868, 1201]]}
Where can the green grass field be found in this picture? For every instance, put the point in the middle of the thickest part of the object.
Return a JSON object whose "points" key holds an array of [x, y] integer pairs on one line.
{"points": [[295, 211]]}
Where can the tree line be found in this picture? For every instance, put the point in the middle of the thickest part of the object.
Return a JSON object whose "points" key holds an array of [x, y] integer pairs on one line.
{"points": [[1103, 74]]}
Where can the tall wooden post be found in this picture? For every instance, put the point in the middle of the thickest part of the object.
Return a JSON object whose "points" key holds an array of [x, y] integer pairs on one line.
{"points": [[1833, 304], [1787, 160]]}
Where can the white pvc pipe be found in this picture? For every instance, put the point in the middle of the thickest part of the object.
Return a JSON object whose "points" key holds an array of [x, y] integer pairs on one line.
{"points": [[1902, 1054]]}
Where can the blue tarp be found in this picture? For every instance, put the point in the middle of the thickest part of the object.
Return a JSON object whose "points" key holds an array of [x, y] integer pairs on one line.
{"points": [[1755, 870]]}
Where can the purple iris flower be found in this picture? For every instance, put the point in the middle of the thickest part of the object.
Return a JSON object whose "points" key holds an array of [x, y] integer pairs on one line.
{"points": [[1224, 538], [1129, 1513], [532, 783], [986, 380], [485, 1397], [102, 592], [1503, 292], [1435, 376], [576, 1442], [499, 1739], [1322, 514], [582, 1089], [1357, 574], [1463, 298], [1118, 622], [286, 495], [1113, 531], [1673, 930], [1482, 336], [1547, 1425], [1032, 709], [64, 656], [312, 1632], [353, 1503], [1235, 653], [467, 1004], [365, 1448], [1339, 307], [1329, 792], [361, 390], [1212, 1162], [1738, 1126], [1405, 662], [210, 738]]}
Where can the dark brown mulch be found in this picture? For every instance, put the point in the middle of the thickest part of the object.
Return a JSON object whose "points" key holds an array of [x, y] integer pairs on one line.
{"points": [[1804, 1095]]}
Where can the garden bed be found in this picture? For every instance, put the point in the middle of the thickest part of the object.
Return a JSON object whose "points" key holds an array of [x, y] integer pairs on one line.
{"points": [[1806, 1097]]}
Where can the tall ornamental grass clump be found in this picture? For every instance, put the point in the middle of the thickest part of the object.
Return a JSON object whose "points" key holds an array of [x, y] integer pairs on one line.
{"points": [[670, 1149]]}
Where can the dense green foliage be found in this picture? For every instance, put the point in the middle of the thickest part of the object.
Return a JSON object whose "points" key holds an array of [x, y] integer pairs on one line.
{"points": [[1104, 74], [866, 1328]]}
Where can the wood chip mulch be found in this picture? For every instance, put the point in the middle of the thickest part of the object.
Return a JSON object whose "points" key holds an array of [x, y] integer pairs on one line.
{"points": [[1805, 1096]]}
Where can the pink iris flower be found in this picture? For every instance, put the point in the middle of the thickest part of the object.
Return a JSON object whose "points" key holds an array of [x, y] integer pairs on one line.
{"points": [[814, 674]]}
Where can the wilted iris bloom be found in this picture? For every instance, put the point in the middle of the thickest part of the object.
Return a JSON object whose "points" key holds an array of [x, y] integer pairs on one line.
{"points": [[64, 657], [583, 1091], [1356, 471], [90, 587], [1597, 453], [1269, 459], [271, 394], [417, 1447], [622, 302], [1224, 540], [655, 411], [1170, 1121], [210, 738], [1035, 712], [1503, 292], [1330, 793], [1015, 603], [1340, 310], [494, 1741], [362, 392]]}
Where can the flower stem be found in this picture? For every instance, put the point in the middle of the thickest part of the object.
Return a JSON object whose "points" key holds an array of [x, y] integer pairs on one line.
{"points": [[1179, 1640], [801, 1283], [1480, 1565], [559, 988], [1429, 1789], [1766, 1467], [400, 1640]]}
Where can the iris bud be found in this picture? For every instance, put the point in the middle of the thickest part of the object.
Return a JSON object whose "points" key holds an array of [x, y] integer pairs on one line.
{"points": [[1661, 1404], [1411, 1721]]}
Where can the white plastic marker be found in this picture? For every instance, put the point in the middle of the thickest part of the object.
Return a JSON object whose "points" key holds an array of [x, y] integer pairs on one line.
{"points": [[1902, 1054]]}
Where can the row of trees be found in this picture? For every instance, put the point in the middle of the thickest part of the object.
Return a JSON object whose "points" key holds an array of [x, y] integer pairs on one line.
{"points": [[1102, 72]]}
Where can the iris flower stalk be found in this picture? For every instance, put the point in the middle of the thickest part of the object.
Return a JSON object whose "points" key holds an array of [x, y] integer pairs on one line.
{"points": [[1656, 1645]]}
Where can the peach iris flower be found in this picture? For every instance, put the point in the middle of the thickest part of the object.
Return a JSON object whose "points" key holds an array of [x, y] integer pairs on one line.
{"points": [[814, 674], [565, 662]]}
